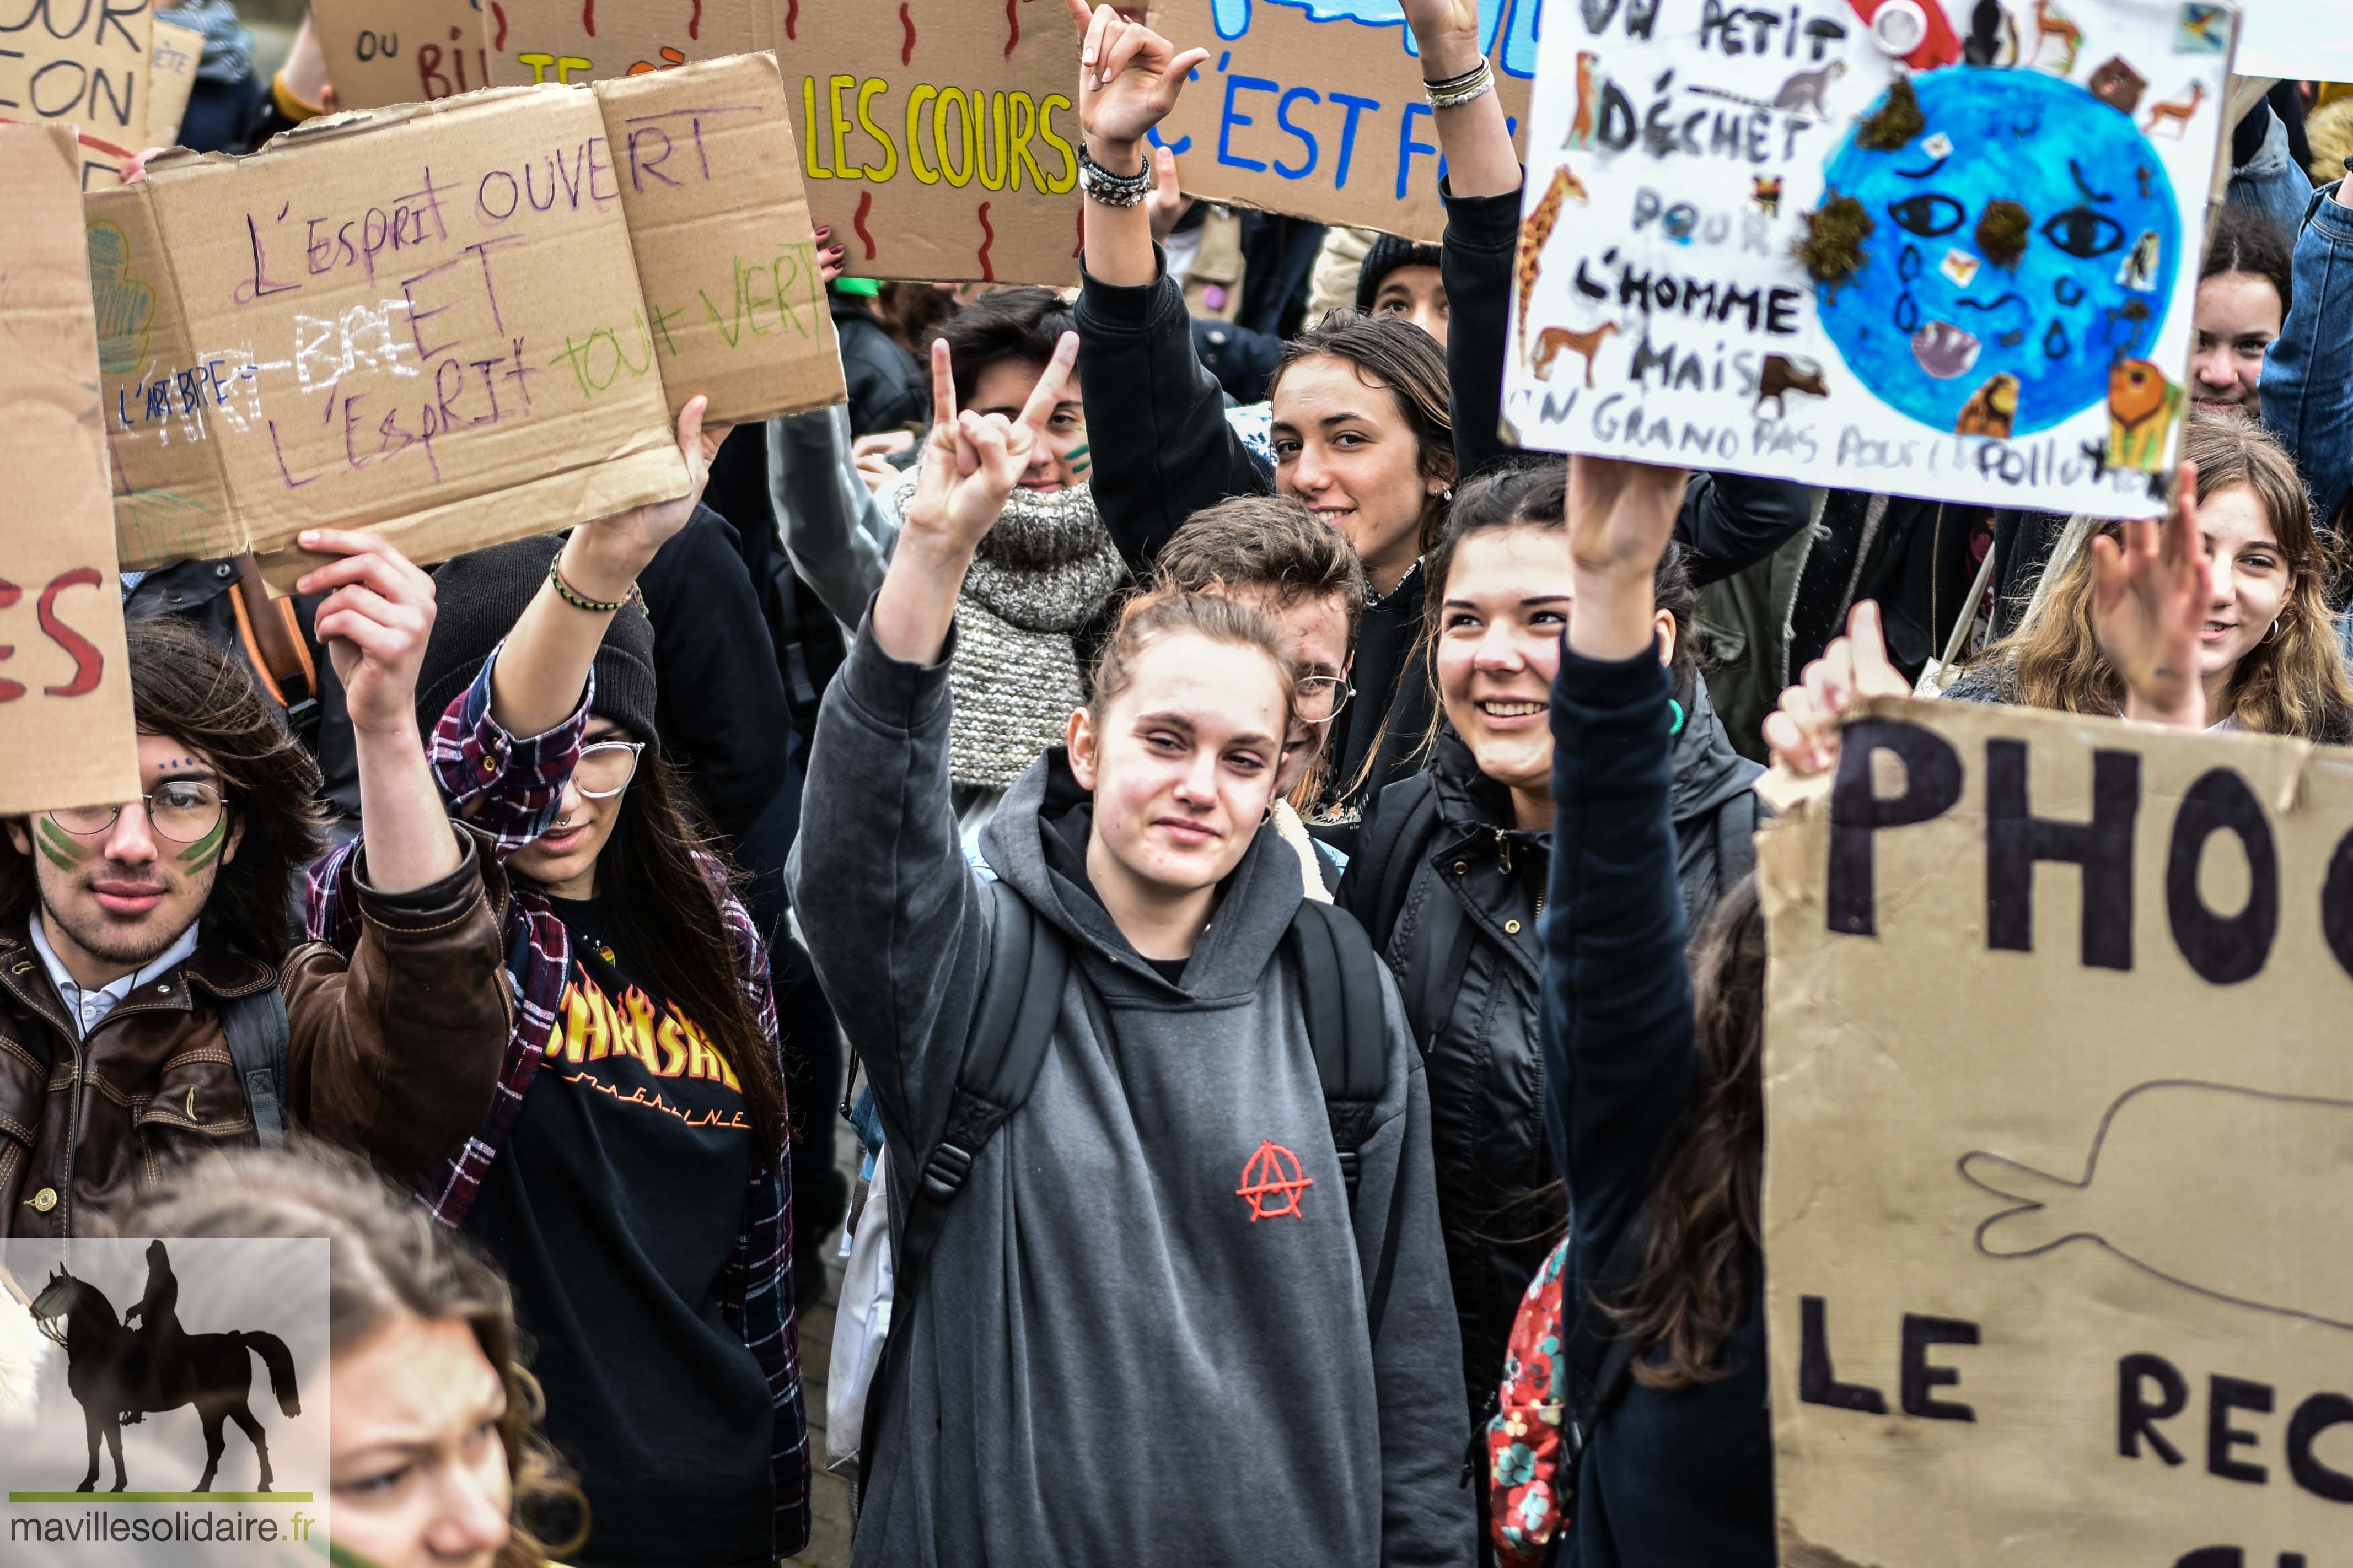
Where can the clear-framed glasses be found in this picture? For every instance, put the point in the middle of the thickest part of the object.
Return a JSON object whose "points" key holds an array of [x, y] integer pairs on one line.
{"points": [[181, 810], [1320, 698], [606, 767]]}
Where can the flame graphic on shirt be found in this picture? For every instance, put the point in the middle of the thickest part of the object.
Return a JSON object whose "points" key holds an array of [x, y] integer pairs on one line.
{"points": [[591, 1027]]}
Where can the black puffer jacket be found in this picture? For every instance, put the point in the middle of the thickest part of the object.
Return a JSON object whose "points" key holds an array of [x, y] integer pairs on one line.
{"points": [[1451, 895], [1450, 892]]}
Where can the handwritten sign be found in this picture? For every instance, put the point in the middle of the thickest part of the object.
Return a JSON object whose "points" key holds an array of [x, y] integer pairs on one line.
{"points": [[725, 254], [383, 52], [356, 328], [938, 140], [1315, 107], [1809, 245], [172, 64], [2057, 1198], [82, 63], [65, 689]]}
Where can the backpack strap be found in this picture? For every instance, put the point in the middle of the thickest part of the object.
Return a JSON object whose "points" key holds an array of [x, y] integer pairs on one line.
{"points": [[1347, 1029], [258, 1035], [1735, 839], [1011, 1030], [1340, 986], [1384, 859]]}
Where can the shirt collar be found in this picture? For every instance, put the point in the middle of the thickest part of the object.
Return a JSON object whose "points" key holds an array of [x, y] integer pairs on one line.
{"points": [[106, 998]]}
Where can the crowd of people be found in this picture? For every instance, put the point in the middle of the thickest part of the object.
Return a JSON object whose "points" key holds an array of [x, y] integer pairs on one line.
{"points": [[1278, 858]]}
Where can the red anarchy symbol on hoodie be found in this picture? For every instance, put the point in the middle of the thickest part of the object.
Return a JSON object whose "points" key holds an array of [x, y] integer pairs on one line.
{"points": [[1272, 1182]]}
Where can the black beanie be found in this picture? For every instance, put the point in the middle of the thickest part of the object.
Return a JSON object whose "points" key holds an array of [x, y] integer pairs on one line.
{"points": [[478, 597], [1387, 254]]}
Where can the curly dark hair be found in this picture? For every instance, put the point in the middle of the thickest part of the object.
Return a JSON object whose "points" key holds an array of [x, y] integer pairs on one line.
{"points": [[2246, 240], [184, 687], [387, 1259]]}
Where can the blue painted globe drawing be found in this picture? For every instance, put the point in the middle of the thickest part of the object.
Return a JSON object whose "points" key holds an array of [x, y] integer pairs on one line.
{"points": [[1939, 332]]}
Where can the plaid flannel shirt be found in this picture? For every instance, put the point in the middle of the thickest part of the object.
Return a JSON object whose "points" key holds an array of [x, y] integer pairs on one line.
{"points": [[511, 789]]}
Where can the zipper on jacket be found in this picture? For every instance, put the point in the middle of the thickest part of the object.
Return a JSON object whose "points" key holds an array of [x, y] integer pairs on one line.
{"points": [[1503, 851]]}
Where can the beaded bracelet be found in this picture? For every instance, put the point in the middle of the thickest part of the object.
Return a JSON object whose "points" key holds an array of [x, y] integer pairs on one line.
{"points": [[1456, 91], [579, 601], [1113, 190]]}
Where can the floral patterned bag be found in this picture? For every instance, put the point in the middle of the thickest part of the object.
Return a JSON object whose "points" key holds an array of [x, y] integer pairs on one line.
{"points": [[1527, 1493]]}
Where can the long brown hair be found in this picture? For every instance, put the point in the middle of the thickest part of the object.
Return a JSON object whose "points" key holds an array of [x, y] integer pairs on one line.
{"points": [[1706, 1229], [184, 687], [387, 1257], [1392, 353], [2291, 683], [659, 879]]}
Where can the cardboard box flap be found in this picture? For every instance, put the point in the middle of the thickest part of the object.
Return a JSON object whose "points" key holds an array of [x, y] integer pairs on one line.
{"points": [[64, 678]]}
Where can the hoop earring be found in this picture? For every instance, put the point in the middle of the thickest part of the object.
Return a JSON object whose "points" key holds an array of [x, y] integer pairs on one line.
{"points": [[2273, 636]]}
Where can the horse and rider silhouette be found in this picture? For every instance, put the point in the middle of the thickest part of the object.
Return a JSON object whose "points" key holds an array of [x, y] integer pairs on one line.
{"points": [[118, 1372]]}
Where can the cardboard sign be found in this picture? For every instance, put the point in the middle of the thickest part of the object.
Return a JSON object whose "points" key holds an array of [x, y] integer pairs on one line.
{"points": [[939, 140], [65, 687], [1811, 246], [355, 327], [82, 63], [2059, 1157], [172, 76], [1315, 107], [711, 188], [383, 52]]}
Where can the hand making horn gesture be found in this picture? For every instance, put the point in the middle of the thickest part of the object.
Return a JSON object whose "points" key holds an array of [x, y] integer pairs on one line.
{"points": [[971, 463], [2149, 595]]}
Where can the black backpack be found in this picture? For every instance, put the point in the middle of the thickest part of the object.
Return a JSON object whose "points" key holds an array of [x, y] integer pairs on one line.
{"points": [[1340, 979]]}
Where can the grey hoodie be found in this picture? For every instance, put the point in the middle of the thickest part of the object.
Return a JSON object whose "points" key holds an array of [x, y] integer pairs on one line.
{"points": [[1119, 1356]]}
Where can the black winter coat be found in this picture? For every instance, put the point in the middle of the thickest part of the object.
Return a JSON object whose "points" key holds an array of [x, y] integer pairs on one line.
{"points": [[1450, 892]]}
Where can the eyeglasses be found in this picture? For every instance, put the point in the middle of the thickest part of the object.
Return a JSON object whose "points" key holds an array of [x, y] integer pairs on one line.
{"points": [[606, 767], [181, 810], [1319, 697]]}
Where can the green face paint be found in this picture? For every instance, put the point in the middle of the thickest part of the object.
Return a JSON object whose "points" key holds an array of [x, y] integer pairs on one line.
{"points": [[58, 846], [200, 853], [1077, 460]]}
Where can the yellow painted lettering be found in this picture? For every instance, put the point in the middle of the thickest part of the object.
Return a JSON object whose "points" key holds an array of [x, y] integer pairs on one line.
{"points": [[538, 64], [837, 118], [1067, 180], [916, 165], [874, 87], [958, 177], [992, 133], [1025, 126], [809, 122]]}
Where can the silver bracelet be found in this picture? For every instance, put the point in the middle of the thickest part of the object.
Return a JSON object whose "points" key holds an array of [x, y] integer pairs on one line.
{"points": [[1113, 190], [1456, 91]]}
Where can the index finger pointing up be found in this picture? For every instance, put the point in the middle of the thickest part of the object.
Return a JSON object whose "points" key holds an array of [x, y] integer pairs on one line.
{"points": [[1039, 408], [943, 408]]}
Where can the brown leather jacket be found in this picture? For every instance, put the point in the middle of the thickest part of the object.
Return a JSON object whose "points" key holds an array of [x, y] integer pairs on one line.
{"points": [[396, 1053]]}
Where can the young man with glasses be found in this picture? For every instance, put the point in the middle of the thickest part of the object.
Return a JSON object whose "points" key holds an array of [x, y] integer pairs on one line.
{"points": [[153, 1002], [1272, 553]]}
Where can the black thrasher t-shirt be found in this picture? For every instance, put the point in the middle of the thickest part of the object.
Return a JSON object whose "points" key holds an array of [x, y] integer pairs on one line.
{"points": [[613, 1207]]}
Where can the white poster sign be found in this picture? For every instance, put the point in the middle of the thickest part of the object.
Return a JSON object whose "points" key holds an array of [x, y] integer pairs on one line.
{"points": [[1896, 245]]}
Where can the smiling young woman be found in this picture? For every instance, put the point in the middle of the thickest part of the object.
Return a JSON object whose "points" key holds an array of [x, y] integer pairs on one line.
{"points": [[1466, 843], [2267, 649]]}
